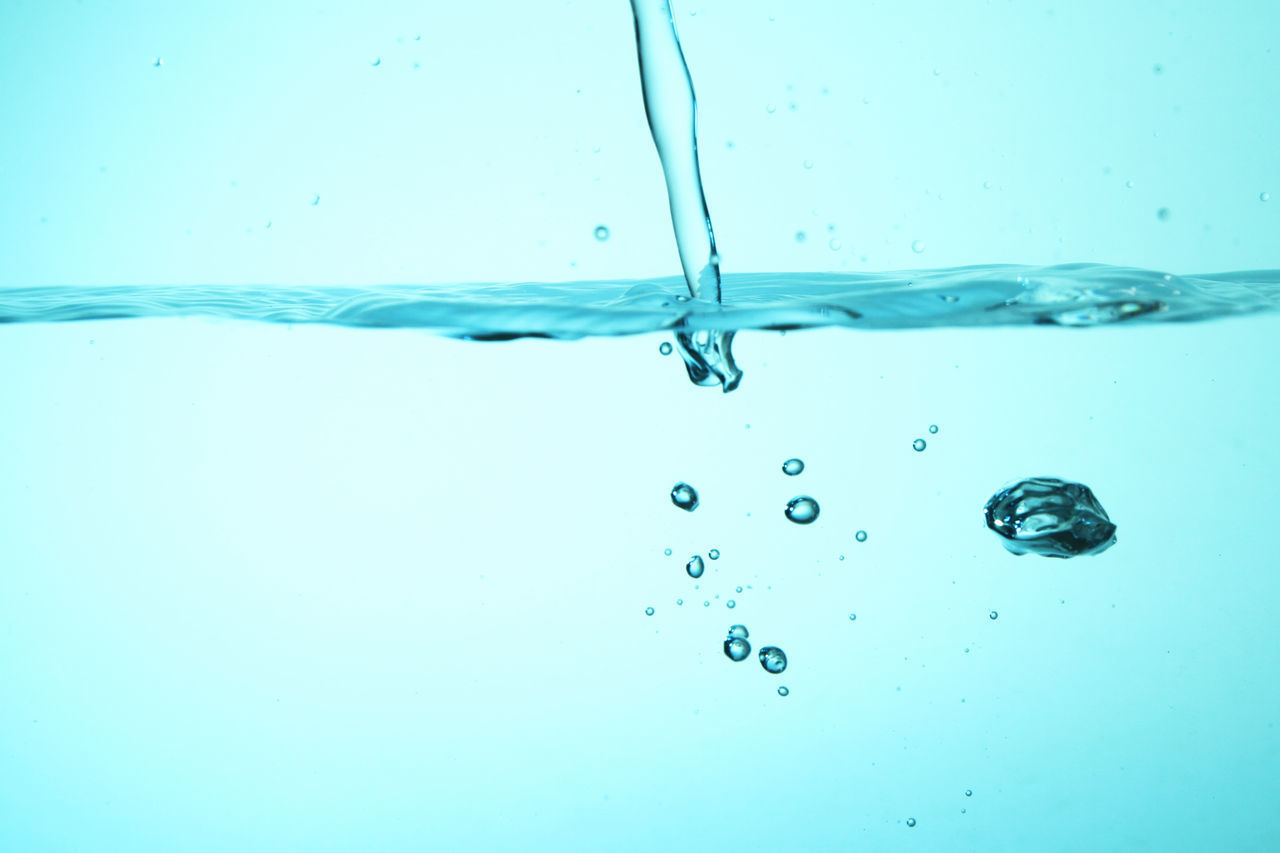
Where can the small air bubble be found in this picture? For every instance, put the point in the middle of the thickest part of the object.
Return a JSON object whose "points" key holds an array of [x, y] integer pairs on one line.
{"points": [[911, 821], [739, 631], [736, 649], [602, 233], [737, 589], [665, 348], [782, 691], [684, 496], [680, 602], [933, 428], [648, 611], [1163, 214], [695, 567], [968, 792], [834, 244], [773, 659], [770, 108], [1264, 196], [315, 199], [808, 164], [853, 617], [861, 536], [1157, 69], [986, 185], [918, 445], [792, 467], [1128, 185], [666, 551], [157, 62], [714, 553], [802, 509], [917, 246], [993, 615], [731, 604], [377, 60]]}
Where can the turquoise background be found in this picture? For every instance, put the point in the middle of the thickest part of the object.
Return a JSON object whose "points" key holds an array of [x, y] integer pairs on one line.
{"points": [[265, 588]]}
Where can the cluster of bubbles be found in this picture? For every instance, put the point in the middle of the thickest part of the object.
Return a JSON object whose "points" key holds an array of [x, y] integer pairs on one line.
{"points": [[737, 648]]}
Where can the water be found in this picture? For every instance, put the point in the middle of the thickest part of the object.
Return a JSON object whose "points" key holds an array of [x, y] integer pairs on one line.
{"points": [[261, 579]]}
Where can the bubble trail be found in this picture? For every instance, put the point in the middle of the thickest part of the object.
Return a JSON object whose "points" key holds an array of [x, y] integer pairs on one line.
{"points": [[672, 110]]}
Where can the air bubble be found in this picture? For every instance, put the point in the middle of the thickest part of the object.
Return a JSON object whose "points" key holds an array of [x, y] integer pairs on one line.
{"points": [[1163, 214], [684, 496], [792, 467], [968, 792], [853, 617], [602, 233], [1050, 517], [731, 604], [801, 236], [1128, 185], [808, 164], [933, 429], [769, 108], [917, 246], [993, 615], [736, 649], [695, 566], [918, 445], [802, 510], [377, 60], [783, 691], [648, 611], [714, 553], [1264, 196], [737, 589], [861, 536], [834, 244], [739, 631], [666, 551], [157, 62], [773, 659], [665, 348], [679, 602], [911, 821]]}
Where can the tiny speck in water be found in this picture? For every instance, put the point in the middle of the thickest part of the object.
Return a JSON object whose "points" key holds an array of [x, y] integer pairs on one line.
{"points": [[1264, 196], [933, 428], [684, 496], [861, 536], [917, 246], [782, 691], [679, 602], [834, 244], [602, 233], [315, 199], [648, 611], [157, 62], [801, 236], [986, 185], [808, 164], [1128, 185], [377, 60], [792, 467], [665, 348], [993, 615], [918, 445], [1157, 69], [714, 553], [769, 108], [911, 821], [1163, 214], [802, 509]]}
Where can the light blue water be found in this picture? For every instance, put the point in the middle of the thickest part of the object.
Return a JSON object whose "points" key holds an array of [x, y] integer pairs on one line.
{"points": [[331, 582]]}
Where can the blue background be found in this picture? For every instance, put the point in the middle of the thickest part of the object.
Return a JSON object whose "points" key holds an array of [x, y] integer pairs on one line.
{"points": [[326, 589]]}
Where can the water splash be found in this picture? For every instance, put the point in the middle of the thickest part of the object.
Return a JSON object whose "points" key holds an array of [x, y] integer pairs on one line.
{"points": [[672, 111]]}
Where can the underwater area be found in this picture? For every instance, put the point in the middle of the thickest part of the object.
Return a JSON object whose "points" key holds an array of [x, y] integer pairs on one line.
{"points": [[354, 493]]}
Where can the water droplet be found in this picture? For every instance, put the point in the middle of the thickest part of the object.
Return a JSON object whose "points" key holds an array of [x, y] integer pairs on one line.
{"points": [[665, 348], [1050, 517], [648, 611], [739, 631], [911, 821], [157, 62], [1163, 214], [792, 467], [731, 604], [736, 649], [315, 199], [1264, 196], [918, 445], [968, 792], [377, 60], [853, 617], [695, 566], [773, 659], [769, 108], [684, 496], [783, 691], [801, 236], [802, 509], [993, 615], [861, 536], [834, 244], [808, 164], [714, 553], [1128, 185], [666, 551], [917, 246], [602, 233]]}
